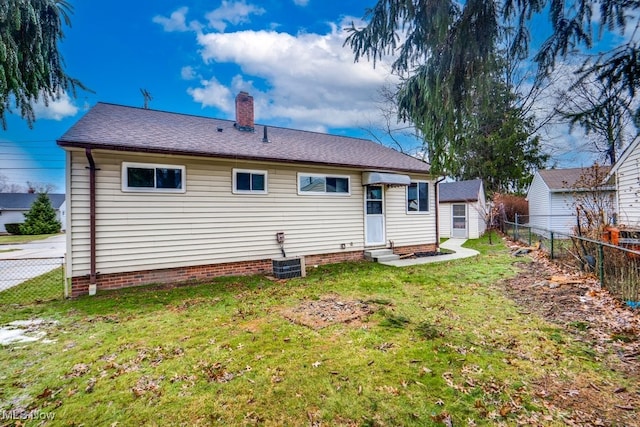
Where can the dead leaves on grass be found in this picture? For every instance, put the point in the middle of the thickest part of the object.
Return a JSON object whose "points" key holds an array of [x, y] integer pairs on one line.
{"points": [[586, 403], [147, 385], [609, 331]]}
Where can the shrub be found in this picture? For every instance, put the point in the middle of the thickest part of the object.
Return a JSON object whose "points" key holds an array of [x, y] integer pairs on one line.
{"points": [[509, 205], [13, 228]]}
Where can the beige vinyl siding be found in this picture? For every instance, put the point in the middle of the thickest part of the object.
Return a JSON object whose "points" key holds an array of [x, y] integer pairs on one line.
{"points": [[207, 223], [444, 217], [406, 229], [628, 186]]}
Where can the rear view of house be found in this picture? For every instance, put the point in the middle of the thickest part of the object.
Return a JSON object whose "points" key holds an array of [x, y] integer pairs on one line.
{"points": [[162, 197]]}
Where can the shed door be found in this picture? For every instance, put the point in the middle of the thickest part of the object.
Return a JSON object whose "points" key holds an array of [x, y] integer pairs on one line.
{"points": [[459, 221], [374, 215]]}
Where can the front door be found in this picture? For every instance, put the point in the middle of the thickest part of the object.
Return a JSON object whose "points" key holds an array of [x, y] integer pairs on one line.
{"points": [[459, 221], [374, 215]]}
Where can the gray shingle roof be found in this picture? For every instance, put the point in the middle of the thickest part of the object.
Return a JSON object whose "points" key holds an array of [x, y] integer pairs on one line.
{"points": [[565, 179], [116, 127], [23, 201], [461, 191]]}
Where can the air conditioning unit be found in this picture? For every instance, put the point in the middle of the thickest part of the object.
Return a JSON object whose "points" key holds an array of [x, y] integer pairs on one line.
{"points": [[287, 268]]}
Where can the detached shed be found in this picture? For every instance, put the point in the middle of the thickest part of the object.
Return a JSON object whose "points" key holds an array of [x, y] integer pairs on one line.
{"points": [[463, 208]]}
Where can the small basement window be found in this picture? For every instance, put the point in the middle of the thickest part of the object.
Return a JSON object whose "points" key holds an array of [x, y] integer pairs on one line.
{"points": [[150, 177], [418, 197], [323, 184], [249, 181]]}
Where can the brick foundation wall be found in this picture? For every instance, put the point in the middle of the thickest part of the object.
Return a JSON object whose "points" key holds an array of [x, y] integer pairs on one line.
{"points": [[401, 250], [196, 274], [311, 260]]}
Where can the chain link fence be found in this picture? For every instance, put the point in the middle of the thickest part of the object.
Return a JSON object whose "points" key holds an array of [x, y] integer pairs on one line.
{"points": [[30, 280], [617, 267]]}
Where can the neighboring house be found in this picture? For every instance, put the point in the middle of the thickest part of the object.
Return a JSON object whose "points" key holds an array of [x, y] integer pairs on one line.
{"points": [[627, 177], [13, 206], [552, 198], [163, 197], [463, 209]]}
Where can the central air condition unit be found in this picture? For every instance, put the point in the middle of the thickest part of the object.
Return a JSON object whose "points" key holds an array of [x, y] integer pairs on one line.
{"points": [[287, 268]]}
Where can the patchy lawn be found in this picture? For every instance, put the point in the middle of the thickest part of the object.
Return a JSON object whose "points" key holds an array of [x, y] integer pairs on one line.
{"points": [[354, 344]]}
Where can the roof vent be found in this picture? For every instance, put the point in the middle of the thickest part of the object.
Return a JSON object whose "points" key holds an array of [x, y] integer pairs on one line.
{"points": [[265, 138], [220, 129]]}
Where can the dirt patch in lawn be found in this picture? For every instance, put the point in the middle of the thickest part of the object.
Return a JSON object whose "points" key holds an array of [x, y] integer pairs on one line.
{"points": [[610, 330], [327, 310]]}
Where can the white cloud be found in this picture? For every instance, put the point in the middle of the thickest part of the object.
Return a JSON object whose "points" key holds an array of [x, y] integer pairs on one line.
{"points": [[56, 109], [177, 21], [233, 13], [213, 94], [188, 73], [313, 80], [301, 2]]}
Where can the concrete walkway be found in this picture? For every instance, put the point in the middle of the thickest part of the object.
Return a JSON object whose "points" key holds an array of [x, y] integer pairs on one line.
{"points": [[454, 245]]}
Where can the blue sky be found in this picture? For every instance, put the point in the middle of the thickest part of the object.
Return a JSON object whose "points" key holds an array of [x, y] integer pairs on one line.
{"points": [[193, 57]]}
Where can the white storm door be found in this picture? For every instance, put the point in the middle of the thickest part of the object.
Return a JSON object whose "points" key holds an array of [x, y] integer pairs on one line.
{"points": [[374, 215], [459, 221]]}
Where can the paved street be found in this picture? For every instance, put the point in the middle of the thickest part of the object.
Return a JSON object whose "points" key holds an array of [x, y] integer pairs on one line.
{"points": [[25, 261], [53, 247]]}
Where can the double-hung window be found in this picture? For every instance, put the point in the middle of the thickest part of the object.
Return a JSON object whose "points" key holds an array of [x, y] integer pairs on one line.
{"points": [[249, 181], [418, 197], [323, 184], [151, 177]]}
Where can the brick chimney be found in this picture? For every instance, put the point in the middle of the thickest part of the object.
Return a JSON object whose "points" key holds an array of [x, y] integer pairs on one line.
{"points": [[244, 112]]}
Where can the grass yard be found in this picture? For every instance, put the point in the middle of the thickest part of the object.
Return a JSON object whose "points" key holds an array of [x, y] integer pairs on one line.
{"points": [[438, 344], [19, 239], [46, 287]]}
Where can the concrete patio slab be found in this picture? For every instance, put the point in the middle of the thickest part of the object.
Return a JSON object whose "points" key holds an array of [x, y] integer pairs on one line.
{"points": [[454, 245]]}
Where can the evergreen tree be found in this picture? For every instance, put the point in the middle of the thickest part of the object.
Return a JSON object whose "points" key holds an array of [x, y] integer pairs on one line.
{"points": [[498, 145], [31, 66], [41, 218], [447, 52]]}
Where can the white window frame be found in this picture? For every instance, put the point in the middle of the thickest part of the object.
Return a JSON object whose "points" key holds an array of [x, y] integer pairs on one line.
{"points": [[406, 198], [154, 166], [322, 193], [234, 175]]}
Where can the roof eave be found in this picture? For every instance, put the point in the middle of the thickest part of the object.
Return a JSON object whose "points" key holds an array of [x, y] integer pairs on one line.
{"points": [[115, 147], [459, 201]]}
